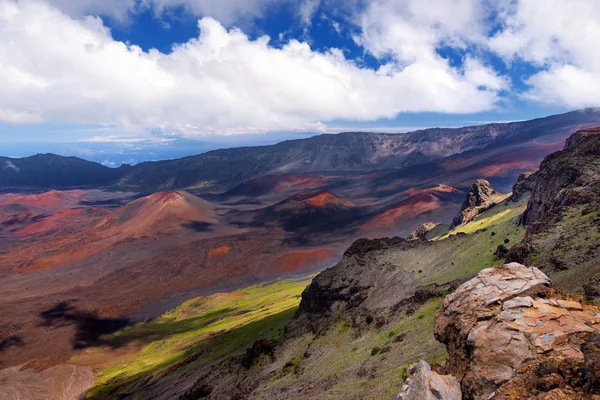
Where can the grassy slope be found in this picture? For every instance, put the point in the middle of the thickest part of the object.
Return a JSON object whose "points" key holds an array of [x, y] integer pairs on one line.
{"points": [[350, 362], [199, 331], [340, 361], [336, 365], [467, 255], [566, 251]]}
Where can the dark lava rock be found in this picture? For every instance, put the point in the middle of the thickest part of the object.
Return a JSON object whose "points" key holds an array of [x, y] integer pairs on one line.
{"points": [[566, 178], [422, 231], [501, 252], [259, 348], [524, 184]]}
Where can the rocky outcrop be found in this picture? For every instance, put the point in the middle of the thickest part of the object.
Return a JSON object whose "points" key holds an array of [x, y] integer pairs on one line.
{"points": [[562, 215], [566, 178], [422, 231], [509, 335], [524, 184], [347, 285], [424, 384], [480, 197]]}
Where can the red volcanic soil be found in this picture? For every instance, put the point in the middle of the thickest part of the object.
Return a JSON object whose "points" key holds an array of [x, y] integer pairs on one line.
{"points": [[12, 214], [219, 252], [159, 213], [299, 260], [295, 182], [321, 199], [526, 160], [82, 232], [51, 200], [19, 211], [419, 202], [276, 183], [438, 189], [71, 217]]}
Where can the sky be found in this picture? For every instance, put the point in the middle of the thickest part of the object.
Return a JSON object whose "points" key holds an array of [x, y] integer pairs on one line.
{"points": [[125, 81]]}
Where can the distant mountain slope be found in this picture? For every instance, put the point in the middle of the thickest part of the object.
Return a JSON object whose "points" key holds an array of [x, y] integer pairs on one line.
{"points": [[348, 152], [52, 171], [352, 151]]}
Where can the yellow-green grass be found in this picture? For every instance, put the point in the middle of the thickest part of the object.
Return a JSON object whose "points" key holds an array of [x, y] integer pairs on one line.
{"points": [[199, 331], [499, 214], [460, 255], [347, 359], [205, 330]]}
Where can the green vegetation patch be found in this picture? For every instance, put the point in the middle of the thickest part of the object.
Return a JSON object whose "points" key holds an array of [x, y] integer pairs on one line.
{"points": [[568, 250], [362, 365], [199, 331]]}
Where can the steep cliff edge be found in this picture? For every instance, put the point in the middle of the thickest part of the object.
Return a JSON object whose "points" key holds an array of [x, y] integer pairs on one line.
{"points": [[563, 215], [509, 335], [423, 231], [566, 178]]}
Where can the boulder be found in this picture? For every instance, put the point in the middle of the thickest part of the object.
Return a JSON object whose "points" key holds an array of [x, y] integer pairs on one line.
{"points": [[510, 335], [424, 384]]}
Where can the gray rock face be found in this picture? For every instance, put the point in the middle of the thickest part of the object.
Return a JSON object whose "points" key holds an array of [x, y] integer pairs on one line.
{"points": [[566, 178], [524, 184], [425, 384], [360, 278]]}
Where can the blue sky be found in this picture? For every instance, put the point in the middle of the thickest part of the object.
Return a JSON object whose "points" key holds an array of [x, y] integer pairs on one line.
{"points": [[125, 81]]}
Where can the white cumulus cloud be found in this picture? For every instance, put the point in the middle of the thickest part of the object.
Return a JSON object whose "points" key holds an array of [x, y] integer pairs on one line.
{"points": [[58, 68], [561, 38]]}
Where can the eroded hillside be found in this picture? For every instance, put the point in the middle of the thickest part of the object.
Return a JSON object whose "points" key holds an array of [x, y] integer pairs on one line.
{"points": [[356, 329]]}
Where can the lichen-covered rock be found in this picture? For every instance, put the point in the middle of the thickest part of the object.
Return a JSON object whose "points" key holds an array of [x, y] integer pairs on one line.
{"points": [[510, 336], [425, 384]]}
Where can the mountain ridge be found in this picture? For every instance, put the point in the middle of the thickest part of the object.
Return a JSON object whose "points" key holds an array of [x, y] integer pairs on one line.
{"points": [[344, 152]]}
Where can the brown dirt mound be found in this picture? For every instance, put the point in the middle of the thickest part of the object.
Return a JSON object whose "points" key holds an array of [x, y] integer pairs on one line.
{"points": [[159, 213], [299, 260]]}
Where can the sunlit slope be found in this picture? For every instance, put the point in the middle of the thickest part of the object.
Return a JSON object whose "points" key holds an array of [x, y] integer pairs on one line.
{"points": [[198, 332], [466, 249], [350, 358]]}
